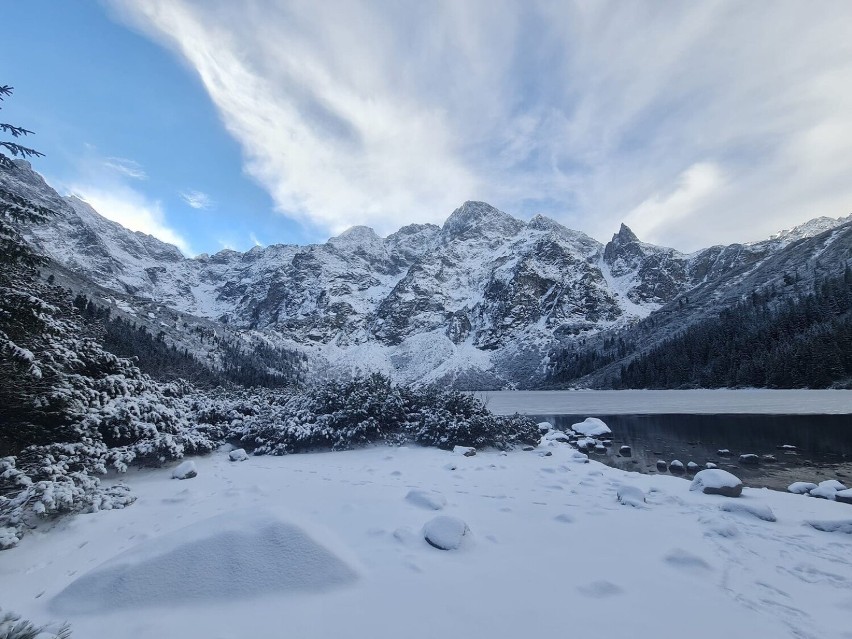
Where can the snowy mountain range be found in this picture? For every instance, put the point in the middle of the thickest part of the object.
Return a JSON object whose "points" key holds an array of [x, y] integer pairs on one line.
{"points": [[482, 302]]}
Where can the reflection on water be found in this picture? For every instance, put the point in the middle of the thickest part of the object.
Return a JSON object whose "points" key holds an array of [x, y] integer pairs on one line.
{"points": [[823, 444]]}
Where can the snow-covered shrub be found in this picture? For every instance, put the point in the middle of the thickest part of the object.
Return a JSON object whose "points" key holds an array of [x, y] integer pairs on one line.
{"points": [[370, 410], [13, 627]]}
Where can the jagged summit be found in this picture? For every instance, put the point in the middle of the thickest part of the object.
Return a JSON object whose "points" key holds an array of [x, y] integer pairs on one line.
{"points": [[473, 218], [625, 235]]}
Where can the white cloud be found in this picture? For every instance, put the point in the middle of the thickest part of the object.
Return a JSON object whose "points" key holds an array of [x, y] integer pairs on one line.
{"points": [[709, 121], [196, 199], [126, 168], [254, 240], [132, 210]]}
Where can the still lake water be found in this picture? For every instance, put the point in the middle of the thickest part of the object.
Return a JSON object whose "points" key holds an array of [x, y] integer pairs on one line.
{"points": [[823, 444]]}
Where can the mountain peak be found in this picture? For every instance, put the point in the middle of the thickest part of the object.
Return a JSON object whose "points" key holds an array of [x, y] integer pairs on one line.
{"points": [[479, 218], [625, 235]]}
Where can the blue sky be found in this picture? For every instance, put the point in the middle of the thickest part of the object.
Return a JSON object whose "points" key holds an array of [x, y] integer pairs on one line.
{"points": [[216, 124]]}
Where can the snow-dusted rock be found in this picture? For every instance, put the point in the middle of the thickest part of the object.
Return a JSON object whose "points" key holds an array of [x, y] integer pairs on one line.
{"points": [[801, 487], [676, 466], [545, 426], [823, 492], [429, 499], [586, 443], [185, 470], [710, 465], [631, 496], [464, 451], [662, 465], [692, 467], [844, 496], [445, 532], [625, 451], [238, 455], [591, 427], [556, 436], [761, 511], [749, 459], [723, 452], [600, 448], [715, 481], [833, 484]]}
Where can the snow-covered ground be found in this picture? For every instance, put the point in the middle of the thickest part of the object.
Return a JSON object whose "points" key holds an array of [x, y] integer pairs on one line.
{"points": [[698, 402], [331, 545]]}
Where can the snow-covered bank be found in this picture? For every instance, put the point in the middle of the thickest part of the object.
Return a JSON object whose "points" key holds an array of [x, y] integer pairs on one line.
{"points": [[550, 549], [642, 402]]}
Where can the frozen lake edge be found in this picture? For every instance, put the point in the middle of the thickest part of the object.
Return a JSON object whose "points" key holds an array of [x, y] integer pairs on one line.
{"points": [[685, 402]]}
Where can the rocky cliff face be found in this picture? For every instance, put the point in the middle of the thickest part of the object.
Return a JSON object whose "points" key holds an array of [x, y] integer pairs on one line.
{"points": [[479, 302]]}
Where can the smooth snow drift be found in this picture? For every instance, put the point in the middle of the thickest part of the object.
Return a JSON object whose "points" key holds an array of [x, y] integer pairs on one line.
{"points": [[235, 556]]}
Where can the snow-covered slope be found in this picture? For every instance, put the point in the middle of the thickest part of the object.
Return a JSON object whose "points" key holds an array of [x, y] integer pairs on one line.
{"points": [[479, 302], [327, 545]]}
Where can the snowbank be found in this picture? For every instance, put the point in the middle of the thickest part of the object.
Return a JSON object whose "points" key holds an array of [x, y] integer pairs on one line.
{"points": [[239, 555]]}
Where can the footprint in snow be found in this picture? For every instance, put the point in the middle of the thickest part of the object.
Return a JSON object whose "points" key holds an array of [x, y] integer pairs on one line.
{"points": [[686, 561], [600, 589], [564, 518]]}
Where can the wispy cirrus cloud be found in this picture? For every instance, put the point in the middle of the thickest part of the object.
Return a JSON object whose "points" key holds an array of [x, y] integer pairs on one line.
{"points": [[196, 199], [700, 122], [126, 168]]}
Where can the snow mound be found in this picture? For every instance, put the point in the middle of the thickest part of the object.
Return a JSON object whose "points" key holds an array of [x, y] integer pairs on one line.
{"points": [[760, 511], [556, 436], [430, 500], [631, 496], [185, 470], [842, 526], [240, 555], [445, 533], [832, 484], [591, 427], [800, 487], [238, 455], [715, 481], [464, 451]]}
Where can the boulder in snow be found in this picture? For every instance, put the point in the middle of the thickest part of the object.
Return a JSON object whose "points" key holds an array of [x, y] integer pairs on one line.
{"points": [[800, 487], [715, 481], [676, 466], [466, 451], [692, 467], [556, 436], [710, 465], [185, 470], [625, 451], [545, 427], [844, 496], [661, 465], [750, 459], [723, 452], [428, 499], [833, 484], [591, 427], [445, 533], [238, 455]]}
